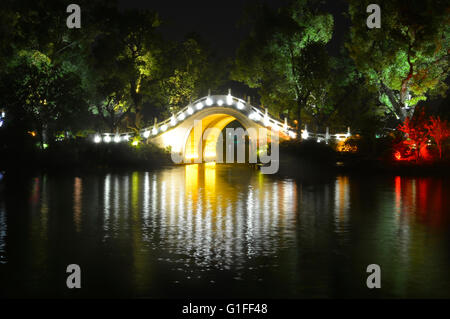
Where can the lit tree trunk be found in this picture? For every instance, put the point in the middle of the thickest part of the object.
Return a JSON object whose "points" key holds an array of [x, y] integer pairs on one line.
{"points": [[299, 115], [398, 107], [137, 102], [301, 103]]}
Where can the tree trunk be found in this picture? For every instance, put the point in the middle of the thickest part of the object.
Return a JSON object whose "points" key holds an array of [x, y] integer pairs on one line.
{"points": [[439, 146], [299, 115], [40, 133], [398, 107]]}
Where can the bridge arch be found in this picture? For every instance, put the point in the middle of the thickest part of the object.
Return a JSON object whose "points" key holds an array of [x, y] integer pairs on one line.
{"points": [[214, 112], [188, 140]]}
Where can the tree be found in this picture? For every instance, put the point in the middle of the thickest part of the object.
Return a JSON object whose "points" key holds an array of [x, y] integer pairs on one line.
{"points": [[313, 69], [353, 103], [36, 40], [278, 56], [125, 62], [109, 99], [190, 70], [439, 130], [407, 58], [416, 134], [47, 96]]}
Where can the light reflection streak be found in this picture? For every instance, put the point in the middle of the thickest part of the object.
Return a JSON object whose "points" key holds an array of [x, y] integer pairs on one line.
{"points": [[250, 228], [44, 207], [3, 234], [172, 194], [398, 191], [39, 207], [106, 201], [275, 211], [401, 222], [146, 191], [154, 205], [289, 202], [205, 217], [181, 215], [117, 196], [77, 203], [342, 203], [135, 196], [125, 202], [162, 208]]}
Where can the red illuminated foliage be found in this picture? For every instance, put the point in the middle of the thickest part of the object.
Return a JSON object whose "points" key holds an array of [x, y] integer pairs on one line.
{"points": [[439, 130], [416, 134]]}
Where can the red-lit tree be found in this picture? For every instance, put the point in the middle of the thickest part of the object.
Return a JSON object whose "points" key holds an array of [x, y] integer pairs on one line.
{"points": [[416, 133], [439, 130]]}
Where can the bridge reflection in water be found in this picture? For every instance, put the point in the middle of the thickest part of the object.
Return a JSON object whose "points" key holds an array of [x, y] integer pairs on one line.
{"points": [[202, 213], [225, 230]]}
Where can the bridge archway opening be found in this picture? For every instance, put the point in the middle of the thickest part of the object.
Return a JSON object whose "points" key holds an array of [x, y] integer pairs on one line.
{"points": [[212, 142], [235, 143]]}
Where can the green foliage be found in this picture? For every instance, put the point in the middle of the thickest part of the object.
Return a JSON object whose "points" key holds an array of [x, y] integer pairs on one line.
{"points": [[407, 58], [117, 63], [191, 69], [76, 154], [46, 96], [284, 56], [125, 61]]}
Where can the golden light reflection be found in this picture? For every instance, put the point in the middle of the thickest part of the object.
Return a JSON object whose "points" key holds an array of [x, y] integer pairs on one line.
{"points": [[134, 195], [77, 203], [230, 218], [342, 202], [146, 203], [191, 178], [210, 178], [207, 217]]}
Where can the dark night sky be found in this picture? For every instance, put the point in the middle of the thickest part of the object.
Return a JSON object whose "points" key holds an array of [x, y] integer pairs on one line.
{"points": [[217, 20]]}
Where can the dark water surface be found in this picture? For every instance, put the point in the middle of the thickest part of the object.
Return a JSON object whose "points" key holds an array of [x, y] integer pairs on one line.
{"points": [[224, 231]]}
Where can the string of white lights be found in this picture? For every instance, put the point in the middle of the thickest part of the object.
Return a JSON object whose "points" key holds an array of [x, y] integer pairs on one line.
{"points": [[252, 112]]}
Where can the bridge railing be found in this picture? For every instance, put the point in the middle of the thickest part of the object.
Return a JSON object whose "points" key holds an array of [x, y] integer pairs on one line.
{"points": [[249, 110], [319, 137], [253, 113]]}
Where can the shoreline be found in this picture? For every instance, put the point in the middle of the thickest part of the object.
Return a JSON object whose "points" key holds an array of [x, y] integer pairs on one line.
{"points": [[289, 167], [296, 161]]}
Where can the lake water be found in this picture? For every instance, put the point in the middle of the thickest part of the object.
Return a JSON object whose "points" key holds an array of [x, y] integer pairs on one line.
{"points": [[224, 231]]}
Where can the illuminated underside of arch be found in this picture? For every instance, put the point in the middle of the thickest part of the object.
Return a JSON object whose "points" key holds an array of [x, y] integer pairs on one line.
{"points": [[211, 127], [197, 138]]}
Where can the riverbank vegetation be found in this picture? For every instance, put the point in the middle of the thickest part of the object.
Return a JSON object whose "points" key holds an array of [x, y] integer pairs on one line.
{"points": [[300, 60], [83, 155], [420, 145]]}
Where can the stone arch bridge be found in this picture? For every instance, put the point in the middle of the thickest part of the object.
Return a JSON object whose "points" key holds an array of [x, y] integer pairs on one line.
{"points": [[209, 115]]}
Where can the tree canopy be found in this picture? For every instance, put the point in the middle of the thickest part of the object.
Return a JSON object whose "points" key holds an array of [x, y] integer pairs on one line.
{"points": [[407, 58], [118, 71], [284, 56]]}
